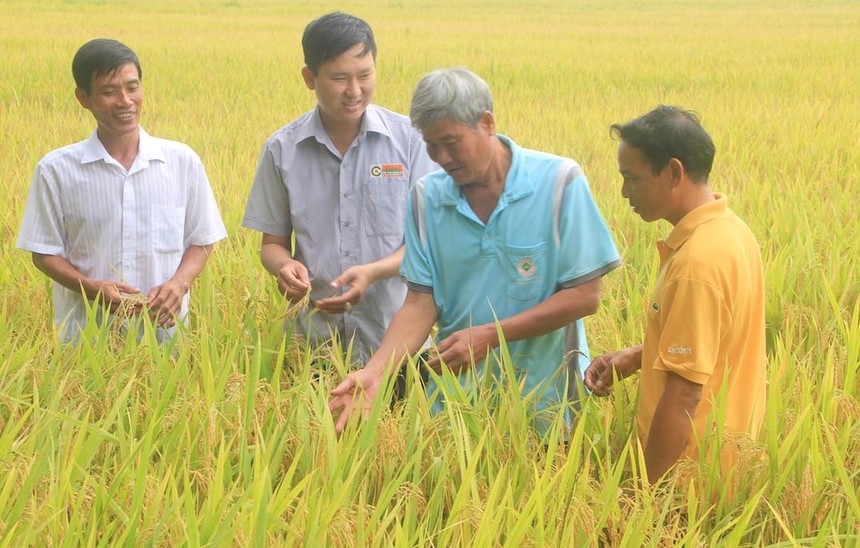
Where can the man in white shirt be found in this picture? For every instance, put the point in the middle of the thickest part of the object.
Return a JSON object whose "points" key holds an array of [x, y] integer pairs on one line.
{"points": [[338, 177], [122, 219]]}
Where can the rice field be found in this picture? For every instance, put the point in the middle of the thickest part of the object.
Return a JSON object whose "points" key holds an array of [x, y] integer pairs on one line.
{"points": [[227, 439]]}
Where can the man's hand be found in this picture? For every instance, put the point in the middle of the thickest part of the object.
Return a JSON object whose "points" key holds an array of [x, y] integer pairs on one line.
{"points": [[356, 392], [118, 297], [464, 348], [601, 372], [165, 301], [358, 278], [293, 280]]}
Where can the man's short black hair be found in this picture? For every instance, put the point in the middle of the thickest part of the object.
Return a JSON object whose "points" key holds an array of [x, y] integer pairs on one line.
{"points": [[99, 57], [328, 37], [670, 132]]}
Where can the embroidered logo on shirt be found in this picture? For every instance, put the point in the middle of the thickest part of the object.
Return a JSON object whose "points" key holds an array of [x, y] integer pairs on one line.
{"points": [[526, 267], [384, 171], [681, 350]]}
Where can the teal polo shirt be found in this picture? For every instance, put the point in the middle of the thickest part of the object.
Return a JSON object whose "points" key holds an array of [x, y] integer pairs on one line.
{"points": [[545, 234]]}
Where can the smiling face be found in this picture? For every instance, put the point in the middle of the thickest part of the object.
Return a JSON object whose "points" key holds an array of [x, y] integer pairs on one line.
{"points": [[464, 152], [649, 194], [115, 100], [344, 87]]}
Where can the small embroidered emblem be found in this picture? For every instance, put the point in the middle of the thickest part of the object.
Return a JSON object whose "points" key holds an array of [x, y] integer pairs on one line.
{"points": [[526, 267]]}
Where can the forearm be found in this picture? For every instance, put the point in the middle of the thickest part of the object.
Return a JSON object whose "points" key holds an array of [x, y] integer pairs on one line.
{"points": [[407, 332], [560, 309], [64, 273], [387, 267], [631, 358], [671, 426], [274, 255], [193, 261]]}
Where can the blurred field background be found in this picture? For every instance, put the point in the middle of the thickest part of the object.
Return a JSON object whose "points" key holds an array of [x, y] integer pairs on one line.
{"points": [[228, 441]]}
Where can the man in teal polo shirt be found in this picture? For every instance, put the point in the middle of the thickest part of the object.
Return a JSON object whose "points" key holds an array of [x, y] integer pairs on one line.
{"points": [[501, 232]]}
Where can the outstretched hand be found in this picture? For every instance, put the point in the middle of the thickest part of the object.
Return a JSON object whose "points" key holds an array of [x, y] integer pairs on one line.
{"points": [[355, 393], [357, 279]]}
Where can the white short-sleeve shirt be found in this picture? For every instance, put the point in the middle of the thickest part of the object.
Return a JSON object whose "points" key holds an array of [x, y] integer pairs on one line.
{"points": [[111, 224]]}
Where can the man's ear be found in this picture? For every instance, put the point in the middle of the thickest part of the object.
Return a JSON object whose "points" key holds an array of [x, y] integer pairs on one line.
{"points": [[488, 122], [82, 98], [676, 171], [308, 77]]}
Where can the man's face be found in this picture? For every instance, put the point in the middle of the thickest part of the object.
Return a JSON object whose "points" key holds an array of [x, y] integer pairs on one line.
{"points": [[648, 193], [115, 100], [464, 152], [344, 87]]}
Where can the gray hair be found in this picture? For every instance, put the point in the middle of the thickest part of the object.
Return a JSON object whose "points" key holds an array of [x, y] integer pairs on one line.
{"points": [[457, 94]]}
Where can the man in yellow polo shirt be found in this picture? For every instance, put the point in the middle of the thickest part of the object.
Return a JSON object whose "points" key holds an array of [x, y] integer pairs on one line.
{"points": [[705, 338]]}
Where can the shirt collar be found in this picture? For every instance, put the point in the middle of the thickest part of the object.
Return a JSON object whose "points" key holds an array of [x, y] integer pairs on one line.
{"points": [[371, 121], [689, 222], [516, 187], [148, 149]]}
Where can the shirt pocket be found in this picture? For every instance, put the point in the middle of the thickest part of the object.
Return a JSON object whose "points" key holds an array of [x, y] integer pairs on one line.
{"points": [[526, 269], [383, 207], [168, 229]]}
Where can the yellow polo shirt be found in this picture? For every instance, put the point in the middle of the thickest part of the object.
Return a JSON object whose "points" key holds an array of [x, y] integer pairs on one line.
{"points": [[705, 322]]}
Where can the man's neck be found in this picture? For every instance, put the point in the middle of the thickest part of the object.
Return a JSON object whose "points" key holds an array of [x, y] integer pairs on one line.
{"points": [[122, 148], [342, 135], [697, 194], [483, 197]]}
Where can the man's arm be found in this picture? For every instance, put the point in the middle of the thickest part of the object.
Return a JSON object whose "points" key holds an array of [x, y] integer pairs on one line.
{"points": [[165, 301], [404, 337], [671, 426], [113, 293], [359, 278], [468, 346]]}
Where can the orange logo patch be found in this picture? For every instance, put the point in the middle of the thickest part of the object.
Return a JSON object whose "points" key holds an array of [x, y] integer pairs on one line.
{"points": [[385, 171]]}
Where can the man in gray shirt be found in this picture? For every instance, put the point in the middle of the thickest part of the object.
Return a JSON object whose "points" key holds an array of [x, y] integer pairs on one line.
{"points": [[338, 177]]}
